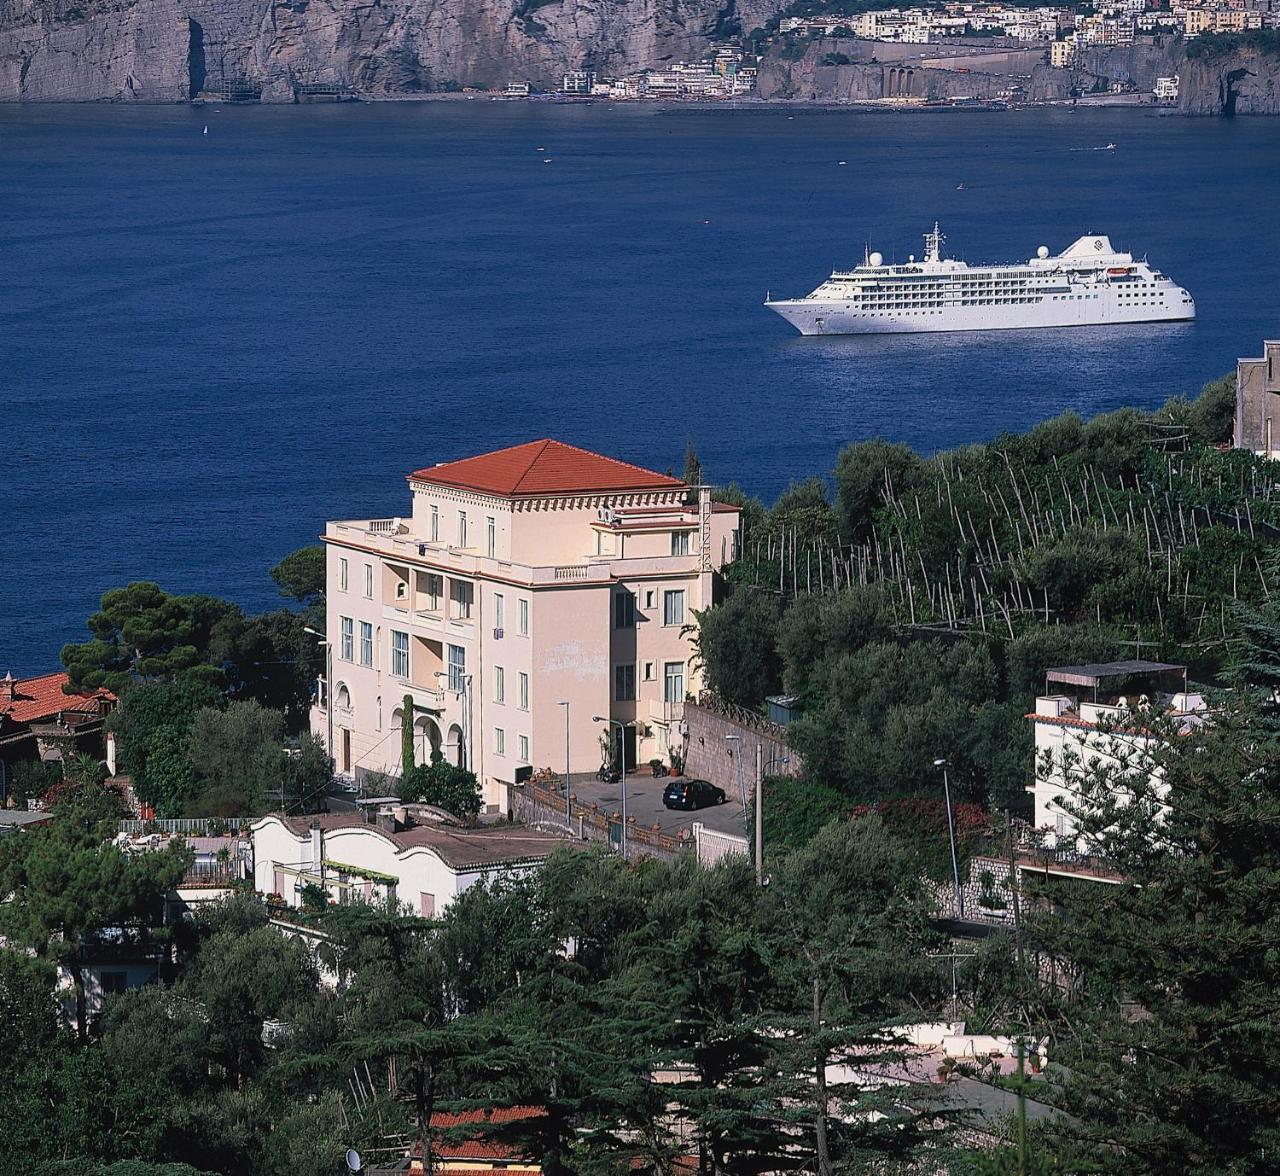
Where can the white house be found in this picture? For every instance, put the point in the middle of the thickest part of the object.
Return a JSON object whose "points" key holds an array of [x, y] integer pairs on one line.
{"points": [[1083, 724], [404, 855]]}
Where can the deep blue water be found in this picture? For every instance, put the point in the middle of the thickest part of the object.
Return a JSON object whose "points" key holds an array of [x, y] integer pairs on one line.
{"points": [[213, 343]]}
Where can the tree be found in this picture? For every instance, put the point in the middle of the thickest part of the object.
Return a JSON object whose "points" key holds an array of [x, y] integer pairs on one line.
{"points": [[848, 921], [737, 642], [237, 758], [159, 714], [68, 881], [300, 575], [1164, 1039], [143, 633], [864, 474], [445, 785], [692, 464]]}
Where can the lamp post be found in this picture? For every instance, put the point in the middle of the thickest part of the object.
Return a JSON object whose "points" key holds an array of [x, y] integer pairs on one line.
{"points": [[622, 767], [951, 833], [464, 693], [568, 791], [742, 788], [328, 686], [761, 769]]}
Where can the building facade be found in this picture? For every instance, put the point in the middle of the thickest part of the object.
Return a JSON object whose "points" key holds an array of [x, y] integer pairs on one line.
{"points": [[421, 864], [527, 592], [1084, 724], [1258, 402]]}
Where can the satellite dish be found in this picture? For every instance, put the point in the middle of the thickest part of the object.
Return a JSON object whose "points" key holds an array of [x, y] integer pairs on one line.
{"points": [[876, 259], [354, 1162]]}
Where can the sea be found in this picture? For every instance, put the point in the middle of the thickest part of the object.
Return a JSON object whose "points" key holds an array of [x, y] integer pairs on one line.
{"points": [[220, 327]]}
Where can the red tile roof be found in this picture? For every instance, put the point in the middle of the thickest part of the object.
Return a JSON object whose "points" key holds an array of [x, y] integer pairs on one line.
{"points": [[543, 467], [480, 1149], [42, 698]]}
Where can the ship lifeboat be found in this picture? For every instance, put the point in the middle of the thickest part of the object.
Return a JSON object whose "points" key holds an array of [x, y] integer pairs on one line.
{"points": [[1119, 271]]}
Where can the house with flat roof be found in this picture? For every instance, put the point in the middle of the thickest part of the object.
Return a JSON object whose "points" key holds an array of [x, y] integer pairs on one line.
{"points": [[525, 592], [1258, 402], [410, 854], [1083, 719]]}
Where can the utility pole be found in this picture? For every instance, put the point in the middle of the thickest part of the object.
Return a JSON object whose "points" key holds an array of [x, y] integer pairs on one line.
{"points": [[568, 791], [951, 833], [328, 691], [759, 813]]}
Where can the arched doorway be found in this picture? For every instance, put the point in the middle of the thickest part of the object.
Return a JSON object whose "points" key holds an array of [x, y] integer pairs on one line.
{"points": [[426, 740], [454, 749]]}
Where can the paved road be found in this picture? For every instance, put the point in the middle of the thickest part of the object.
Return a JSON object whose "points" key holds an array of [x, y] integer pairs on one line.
{"points": [[644, 802]]}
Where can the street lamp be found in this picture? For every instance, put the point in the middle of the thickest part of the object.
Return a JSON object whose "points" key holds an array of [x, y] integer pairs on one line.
{"points": [[622, 765], [568, 791], [328, 685], [465, 694], [742, 788], [951, 832]]}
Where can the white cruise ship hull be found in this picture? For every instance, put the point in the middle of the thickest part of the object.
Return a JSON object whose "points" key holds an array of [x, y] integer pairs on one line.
{"points": [[813, 317], [1089, 284]]}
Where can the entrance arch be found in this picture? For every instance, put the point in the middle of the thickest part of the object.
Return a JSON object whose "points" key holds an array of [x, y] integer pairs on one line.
{"points": [[426, 740], [455, 750]]}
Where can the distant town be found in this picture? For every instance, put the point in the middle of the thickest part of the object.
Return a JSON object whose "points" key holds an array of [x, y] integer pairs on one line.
{"points": [[1062, 34]]}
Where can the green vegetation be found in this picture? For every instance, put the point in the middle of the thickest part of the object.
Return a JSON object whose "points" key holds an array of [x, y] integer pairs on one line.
{"points": [[915, 611], [564, 990], [1209, 46], [211, 700]]}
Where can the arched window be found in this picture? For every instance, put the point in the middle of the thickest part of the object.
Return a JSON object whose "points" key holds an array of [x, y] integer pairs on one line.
{"points": [[343, 697]]}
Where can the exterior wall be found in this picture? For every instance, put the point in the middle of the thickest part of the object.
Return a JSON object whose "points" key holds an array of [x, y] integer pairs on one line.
{"points": [[571, 648], [418, 870], [713, 756], [1257, 425]]}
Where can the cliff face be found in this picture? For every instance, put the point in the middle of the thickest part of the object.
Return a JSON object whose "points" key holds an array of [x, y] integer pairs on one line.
{"points": [[807, 78], [1243, 79], [167, 50]]}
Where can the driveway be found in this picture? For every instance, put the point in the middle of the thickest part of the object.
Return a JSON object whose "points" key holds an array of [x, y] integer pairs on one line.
{"points": [[644, 802]]}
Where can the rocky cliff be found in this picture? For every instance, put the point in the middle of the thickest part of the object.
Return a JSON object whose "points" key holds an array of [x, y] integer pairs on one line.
{"points": [[1231, 75], [168, 50], [846, 70]]}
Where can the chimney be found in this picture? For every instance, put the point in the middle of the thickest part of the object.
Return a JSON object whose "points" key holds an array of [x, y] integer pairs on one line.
{"points": [[8, 688], [317, 843]]}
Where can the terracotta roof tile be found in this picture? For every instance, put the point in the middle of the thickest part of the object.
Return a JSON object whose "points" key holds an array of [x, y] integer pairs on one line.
{"points": [[42, 697], [543, 467]]}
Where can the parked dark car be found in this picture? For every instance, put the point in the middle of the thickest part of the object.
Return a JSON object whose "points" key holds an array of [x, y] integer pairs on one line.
{"points": [[692, 794]]}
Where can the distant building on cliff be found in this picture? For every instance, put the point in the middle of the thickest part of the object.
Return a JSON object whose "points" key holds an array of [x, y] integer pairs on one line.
{"points": [[528, 591], [39, 720], [1258, 402]]}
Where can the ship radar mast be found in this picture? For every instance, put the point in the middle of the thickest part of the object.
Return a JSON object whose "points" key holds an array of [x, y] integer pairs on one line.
{"points": [[933, 243]]}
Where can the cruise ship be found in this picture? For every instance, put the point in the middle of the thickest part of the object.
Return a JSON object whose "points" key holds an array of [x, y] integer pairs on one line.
{"points": [[1088, 284]]}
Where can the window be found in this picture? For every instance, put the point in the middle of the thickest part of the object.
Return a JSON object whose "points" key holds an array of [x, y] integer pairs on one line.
{"points": [[499, 684], [673, 682], [347, 640], [650, 598], [366, 643], [342, 575], [522, 617], [435, 524], [491, 537], [112, 982], [679, 542], [499, 611], [624, 610], [522, 743], [648, 671], [368, 581], [426, 904], [499, 741], [460, 597], [457, 668], [462, 528], [402, 589], [673, 607], [624, 683], [399, 654], [434, 589], [522, 690], [379, 713]]}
